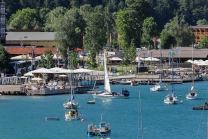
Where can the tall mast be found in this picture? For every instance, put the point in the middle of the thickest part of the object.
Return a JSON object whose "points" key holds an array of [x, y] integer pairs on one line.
{"points": [[192, 65], [140, 111]]}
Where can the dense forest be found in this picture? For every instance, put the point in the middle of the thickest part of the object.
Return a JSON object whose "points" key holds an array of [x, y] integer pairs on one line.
{"points": [[127, 24], [161, 10]]}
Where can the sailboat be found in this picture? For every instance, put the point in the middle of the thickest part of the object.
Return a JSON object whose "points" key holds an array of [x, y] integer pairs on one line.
{"points": [[159, 86], [107, 89], [171, 98], [72, 114], [192, 93], [72, 103]]}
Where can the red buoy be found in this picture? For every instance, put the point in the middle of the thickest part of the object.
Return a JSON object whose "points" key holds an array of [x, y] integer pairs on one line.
{"points": [[82, 120]]}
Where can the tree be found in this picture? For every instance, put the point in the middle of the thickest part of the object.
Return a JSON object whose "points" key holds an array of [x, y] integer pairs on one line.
{"points": [[47, 60], [149, 30], [181, 31], [24, 19], [167, 39], [4, 59], [203, 42], [69, 31], [73, 59], [202, 22], [42, 16], [129, 22], [52, 18], [95, 35]]}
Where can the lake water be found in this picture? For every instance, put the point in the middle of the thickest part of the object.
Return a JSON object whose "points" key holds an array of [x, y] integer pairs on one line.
{"points": [[23, 117]]}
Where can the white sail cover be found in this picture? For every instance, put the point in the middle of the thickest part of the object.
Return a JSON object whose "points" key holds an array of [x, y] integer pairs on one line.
{"points": [[107, 82]]}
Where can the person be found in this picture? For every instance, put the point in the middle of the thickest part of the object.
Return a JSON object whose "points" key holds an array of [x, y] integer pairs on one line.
{"points": [[130, 71]]}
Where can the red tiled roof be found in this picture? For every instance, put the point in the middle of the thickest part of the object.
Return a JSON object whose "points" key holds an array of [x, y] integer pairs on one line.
{"points": [[27, 50]]}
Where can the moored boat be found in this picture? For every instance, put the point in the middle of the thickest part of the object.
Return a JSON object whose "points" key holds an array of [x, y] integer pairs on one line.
{"points": [[102, 130], [201, 107], [107, 89], [171, 98], [91, 102], [72, 114]]}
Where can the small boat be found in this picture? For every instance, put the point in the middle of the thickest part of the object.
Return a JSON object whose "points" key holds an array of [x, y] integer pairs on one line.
{"points": [[170, 99], [125, 82], [158, 87], [201, 107], [134, 83], [91, 102], [103, 129], [72, 114]]}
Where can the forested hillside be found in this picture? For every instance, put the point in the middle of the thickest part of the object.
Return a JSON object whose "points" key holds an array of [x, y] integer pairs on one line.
{"points": [[125, 24], [161, 10]]}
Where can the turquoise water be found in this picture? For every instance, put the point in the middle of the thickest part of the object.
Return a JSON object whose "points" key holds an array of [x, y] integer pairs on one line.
{"points": [[23, 117]]}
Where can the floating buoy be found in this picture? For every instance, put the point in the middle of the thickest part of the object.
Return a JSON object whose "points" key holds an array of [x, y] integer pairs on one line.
{"points": [[82, 120], [181, 100]]}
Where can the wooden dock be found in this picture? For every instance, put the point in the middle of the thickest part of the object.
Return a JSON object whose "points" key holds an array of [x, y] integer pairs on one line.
{"points": [[13, 89]]}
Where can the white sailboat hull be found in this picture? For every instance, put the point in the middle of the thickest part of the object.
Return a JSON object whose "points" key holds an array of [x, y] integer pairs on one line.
{"points": [[191, 96], [71, 104], [158, 87], [109, 95], [170, 99]]}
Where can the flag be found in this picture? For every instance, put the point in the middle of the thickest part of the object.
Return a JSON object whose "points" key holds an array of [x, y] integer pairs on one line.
{"points": [[138, 59], [169, 58], [57, 56], [72, 98], [33, 52], [148, 54], [83, 39], [155, 40], [179, 50], [110, 38]]}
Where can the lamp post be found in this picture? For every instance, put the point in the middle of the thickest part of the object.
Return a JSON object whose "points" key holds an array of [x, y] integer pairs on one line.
{"points": [[151, 58], [144, 56]]}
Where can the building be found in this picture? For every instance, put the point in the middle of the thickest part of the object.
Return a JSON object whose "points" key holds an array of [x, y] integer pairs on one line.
{"points": [[38, 39], [200, 31], [2, 22]]}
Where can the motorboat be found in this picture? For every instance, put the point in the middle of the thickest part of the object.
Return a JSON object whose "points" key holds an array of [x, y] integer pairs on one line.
{"points": [[103, 129], [125, 82], [72, 114], [170, 99], [192, 94], [158, 87], [107, 89], [201, 107], [91, 102]]}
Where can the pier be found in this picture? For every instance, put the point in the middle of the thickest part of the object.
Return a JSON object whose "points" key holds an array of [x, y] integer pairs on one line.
{"points": [[16, 88]]}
